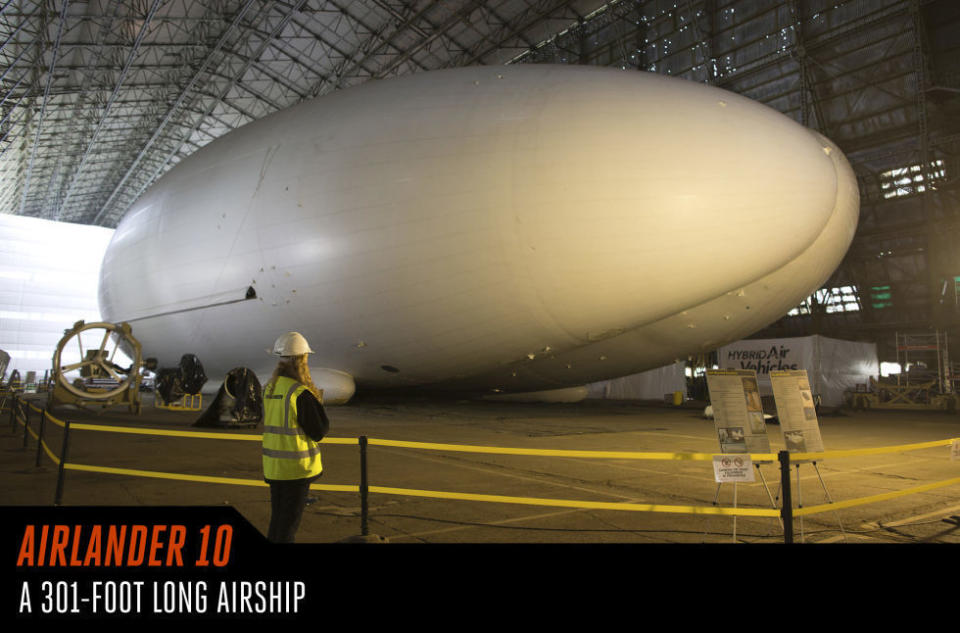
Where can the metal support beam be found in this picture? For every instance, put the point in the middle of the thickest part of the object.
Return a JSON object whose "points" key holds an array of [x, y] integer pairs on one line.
{"points": [[186, 91], [134, 50], [223, 94], [808, 92], [43, 107]]}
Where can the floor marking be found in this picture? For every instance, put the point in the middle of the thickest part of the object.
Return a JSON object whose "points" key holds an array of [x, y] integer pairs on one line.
{"points": [[487, 524], [919, 517], [879, 525]]}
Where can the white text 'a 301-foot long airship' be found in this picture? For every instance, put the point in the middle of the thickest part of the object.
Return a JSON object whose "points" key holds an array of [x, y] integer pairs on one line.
{"points": [[498, 229]]}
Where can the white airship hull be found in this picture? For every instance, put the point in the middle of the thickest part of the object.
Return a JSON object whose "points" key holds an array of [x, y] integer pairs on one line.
{"points": [[497, 228]]}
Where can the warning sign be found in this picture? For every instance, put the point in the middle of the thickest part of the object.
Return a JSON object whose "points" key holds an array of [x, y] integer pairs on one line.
{"points": [[732, 468]]}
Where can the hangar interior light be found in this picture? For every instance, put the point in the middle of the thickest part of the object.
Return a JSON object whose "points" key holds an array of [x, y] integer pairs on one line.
{"points": [[890, 369], [905, 181], [840, 299], [881, 297]]}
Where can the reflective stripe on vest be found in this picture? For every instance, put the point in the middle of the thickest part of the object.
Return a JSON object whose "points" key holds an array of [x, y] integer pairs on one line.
{"points": [[288, 453]]}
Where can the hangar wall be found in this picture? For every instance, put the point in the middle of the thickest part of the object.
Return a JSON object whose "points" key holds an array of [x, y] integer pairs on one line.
{"points": [[48, 280]]}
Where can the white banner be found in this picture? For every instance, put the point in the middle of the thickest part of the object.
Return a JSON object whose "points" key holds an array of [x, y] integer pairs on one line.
{"points": [[766, 355], [833, 365]]}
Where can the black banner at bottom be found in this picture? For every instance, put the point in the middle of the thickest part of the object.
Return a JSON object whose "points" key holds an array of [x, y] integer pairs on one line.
{"points": [[198, 563]]}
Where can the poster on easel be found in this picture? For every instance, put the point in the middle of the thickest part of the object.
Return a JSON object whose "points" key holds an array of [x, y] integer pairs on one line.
{"points": [[737, 411], [796, 410]]}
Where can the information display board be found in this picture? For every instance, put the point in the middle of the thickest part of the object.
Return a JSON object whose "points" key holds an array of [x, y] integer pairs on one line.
{"points": [[796, 410], [737, 411]]}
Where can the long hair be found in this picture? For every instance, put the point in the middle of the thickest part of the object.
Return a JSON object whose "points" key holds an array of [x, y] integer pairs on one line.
{"points": [[294, 368]]}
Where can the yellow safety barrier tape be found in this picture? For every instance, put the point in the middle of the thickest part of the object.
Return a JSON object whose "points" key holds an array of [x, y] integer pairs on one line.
{"points": [[560, 503], [757, 457], [854, 452], [587, 505], [56, 421], [49, 415], [837, 505], [351, 441], [565, 503], [50, 454], [194, 434], [46, 449], [212, 435], [236, 481], [667, 456]]}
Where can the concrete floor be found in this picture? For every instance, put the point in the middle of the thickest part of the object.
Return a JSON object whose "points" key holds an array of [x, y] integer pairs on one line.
{"points": [[616, 426]]}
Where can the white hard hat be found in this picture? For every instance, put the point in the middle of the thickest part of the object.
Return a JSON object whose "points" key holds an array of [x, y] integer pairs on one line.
{"points": [[291, 344]]}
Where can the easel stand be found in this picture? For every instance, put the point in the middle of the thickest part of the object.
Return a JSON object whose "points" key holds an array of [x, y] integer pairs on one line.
{"points": [[800, 500], [773, 503]]}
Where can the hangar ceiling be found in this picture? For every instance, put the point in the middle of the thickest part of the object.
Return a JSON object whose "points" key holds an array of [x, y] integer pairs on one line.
{"points": [[98, 98]]}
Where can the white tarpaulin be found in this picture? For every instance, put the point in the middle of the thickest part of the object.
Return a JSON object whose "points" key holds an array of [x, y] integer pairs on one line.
{"points": [[834, 366], [649, 385]]}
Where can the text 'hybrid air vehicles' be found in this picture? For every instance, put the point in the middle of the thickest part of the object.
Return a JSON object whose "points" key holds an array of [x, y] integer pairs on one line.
{"points": [[493, 229]]}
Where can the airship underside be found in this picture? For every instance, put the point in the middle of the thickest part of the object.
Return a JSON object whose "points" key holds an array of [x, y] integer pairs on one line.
{"points": [[507, 229]]}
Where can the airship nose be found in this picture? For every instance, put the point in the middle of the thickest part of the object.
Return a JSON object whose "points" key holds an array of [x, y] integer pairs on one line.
{"points": [[651, 210]]}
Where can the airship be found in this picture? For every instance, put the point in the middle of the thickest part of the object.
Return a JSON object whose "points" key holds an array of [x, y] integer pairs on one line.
{"points": [[524, 229]]}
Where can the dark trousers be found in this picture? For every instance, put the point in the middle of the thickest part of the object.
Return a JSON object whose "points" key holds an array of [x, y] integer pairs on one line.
{"points": [[287, 501]]}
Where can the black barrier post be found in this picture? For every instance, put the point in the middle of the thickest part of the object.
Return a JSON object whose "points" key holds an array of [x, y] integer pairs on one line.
{"points": [[26, 421], [63, 461], [786, 510], [13, 419], [43, 418], [364, 530]]}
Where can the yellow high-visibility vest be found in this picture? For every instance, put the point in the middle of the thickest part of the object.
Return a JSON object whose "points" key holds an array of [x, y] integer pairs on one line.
{"points": [[288, 452]]}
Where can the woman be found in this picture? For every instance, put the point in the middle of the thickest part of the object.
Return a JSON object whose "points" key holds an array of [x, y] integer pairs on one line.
{"points": [[293, 423]]}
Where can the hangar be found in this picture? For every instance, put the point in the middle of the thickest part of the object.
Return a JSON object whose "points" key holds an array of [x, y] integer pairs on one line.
{"points": [[101, 99]]}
